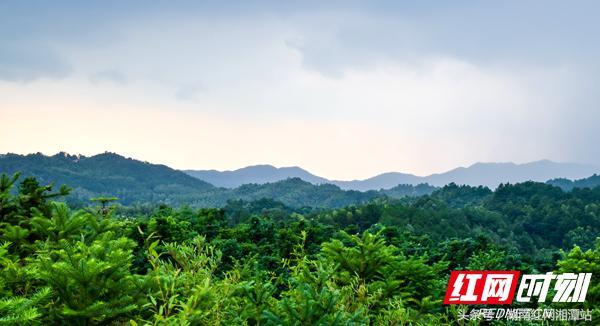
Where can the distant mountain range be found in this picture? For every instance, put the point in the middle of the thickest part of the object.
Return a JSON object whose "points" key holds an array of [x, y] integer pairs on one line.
{"points": [[259, 174], [485, 174], [137, 182]]}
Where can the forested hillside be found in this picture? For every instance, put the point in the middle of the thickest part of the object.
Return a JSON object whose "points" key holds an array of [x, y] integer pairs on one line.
{"points": [[137, 182], [566, 184], [108, 174], [385, 262]]}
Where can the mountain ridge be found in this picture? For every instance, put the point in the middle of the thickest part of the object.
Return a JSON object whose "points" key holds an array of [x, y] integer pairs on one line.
{"points": [[260, 174], [134, 181], [137, 182], [489, 174], [104, 174]]}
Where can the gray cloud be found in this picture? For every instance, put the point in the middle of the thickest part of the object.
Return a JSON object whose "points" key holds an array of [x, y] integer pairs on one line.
{"points": [[109, 75], [30, 63], [188, 92], [257, 60]]}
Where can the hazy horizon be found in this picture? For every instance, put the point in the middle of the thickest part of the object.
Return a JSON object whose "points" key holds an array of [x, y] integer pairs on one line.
{"points": [[346, 90], [305, 169]]}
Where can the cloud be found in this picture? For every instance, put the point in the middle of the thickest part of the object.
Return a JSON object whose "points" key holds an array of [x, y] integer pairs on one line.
{"points": [[25, 64], [423, 118], [414, 88], [110, 75], [188, 92]]}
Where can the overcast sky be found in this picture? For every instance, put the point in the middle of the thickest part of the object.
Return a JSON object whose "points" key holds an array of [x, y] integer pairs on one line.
{"points": [[344, 89]]}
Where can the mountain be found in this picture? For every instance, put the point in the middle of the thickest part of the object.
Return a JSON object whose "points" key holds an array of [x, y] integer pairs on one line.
{"points": [[485, 174], [479, 174], [295, 192], [382, 181], [137, 182], [259, 174], [407, 190], [106, 174], [492, 174]]}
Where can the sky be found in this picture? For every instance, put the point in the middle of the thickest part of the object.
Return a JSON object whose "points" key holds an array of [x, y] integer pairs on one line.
{"points": [[344, 89]]}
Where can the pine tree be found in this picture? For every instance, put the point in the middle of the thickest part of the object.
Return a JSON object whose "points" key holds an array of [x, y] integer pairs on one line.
{"points": [[313, 297], [375, 273], [87, 265], [23, 308], [93, 282]]}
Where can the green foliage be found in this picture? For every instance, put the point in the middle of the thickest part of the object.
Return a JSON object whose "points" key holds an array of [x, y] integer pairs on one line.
{"points": [[385, 262], [313, 297], [379, 273], [367, 257], [93, 282], [568, 185], [108, 175], [579, 261], [182, 290], [19, 310], [17, 305]]}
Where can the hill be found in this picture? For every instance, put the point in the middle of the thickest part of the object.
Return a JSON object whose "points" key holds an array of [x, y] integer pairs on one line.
{"points": [[568, 185], [259, 174], [492, 174], [297, 193], [137, 182], [107, 174], [479, 174]]}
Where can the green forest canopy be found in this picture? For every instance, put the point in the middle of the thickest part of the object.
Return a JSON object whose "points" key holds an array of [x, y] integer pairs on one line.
{"points": [[265, 263]]}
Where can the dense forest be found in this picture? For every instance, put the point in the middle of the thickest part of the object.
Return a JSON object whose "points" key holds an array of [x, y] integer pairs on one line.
{"points": [[567, 184], [384, 262]]}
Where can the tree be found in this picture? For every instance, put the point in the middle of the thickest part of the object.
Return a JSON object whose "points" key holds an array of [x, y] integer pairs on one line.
{"points": [[25, 307], [378, 272], [579, 261]]}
